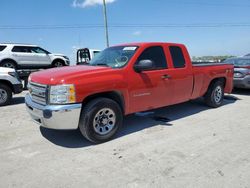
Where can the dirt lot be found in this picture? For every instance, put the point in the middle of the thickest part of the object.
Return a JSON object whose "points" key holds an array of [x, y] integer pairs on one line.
{"points": [[196, 147]]}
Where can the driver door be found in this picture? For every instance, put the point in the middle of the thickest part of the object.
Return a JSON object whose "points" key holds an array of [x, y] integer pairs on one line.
{"points": [[152, 88], [41, 55]]}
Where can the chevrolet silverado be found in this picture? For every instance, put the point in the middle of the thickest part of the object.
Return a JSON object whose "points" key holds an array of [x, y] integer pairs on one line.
{"points": [[122, 80]]}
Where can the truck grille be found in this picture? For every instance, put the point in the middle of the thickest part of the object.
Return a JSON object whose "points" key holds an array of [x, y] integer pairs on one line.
{"points": [[38, 93]]}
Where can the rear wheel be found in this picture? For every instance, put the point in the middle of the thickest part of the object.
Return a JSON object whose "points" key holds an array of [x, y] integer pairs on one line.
{"points": [[5, 95], [100, 120], [8, 64], [215, 94]]}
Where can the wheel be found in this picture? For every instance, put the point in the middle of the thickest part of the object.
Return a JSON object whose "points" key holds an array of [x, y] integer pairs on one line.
{"points": [[58, 63], [5, 95], [8, 64], [100, 120], [215, 94]]}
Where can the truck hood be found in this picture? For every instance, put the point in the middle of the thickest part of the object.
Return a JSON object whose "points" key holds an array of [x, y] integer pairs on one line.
{"points": [[66, 75]]}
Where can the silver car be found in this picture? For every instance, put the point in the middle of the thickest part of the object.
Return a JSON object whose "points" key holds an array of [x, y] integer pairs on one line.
{"points": [[19, 56], [241, 71]]}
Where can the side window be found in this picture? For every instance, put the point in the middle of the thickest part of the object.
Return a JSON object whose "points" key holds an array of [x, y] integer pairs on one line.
{"points": [[155, 54], [177, 57], [37, 50], [22, 49], [2, 48]]}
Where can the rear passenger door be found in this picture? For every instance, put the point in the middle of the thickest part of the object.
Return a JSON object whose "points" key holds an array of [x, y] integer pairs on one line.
{"points": [[181, 74], [23, 56]]}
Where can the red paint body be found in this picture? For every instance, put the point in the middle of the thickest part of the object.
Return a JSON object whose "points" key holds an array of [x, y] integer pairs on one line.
{"points": [[140, 91]]}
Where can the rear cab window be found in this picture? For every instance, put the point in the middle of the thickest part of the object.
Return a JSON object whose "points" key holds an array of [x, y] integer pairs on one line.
{"points": [[2, 47], [155, 54], [177, 57]]}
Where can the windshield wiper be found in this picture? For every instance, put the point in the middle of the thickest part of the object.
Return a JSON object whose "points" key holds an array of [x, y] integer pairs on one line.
{"points": [[102, 64]]}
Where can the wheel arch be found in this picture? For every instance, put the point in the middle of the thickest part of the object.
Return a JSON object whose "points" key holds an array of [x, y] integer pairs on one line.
{"points": [[7, 83], [113, 95], [222, 79], [58, 59]]}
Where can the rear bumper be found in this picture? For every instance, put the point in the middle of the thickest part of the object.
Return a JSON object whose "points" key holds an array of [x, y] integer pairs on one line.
{"points": [[242, 82], [17, 88], [62, 117]]}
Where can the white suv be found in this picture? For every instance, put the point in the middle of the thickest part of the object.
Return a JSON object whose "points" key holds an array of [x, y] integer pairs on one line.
{"points": [[19, 56]]}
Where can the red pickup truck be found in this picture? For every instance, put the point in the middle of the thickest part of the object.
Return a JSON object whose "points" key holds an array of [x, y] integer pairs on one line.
{"points": [[121, 80]]}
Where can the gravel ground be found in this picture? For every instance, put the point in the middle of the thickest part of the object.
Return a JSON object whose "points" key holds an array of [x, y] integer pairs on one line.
{"points": [[186, 145]]}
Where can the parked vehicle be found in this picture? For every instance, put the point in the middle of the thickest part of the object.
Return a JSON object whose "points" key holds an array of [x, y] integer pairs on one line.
{"points": [[84, 55], [18, 56], [122, 80], [241, 71], [9, 83]]}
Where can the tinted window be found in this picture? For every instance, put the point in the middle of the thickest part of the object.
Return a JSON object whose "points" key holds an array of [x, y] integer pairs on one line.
{"points": [[177, 57], [38, 50], [2, 48], [242, 62], [155, 54], [23, 49]]}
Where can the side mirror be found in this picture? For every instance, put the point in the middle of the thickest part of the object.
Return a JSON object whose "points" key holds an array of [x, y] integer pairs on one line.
{"points": [[143, 65]]}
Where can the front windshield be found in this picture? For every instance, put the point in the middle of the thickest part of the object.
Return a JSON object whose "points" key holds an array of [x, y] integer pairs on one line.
{"points": [[115, 57], [242, 62]]}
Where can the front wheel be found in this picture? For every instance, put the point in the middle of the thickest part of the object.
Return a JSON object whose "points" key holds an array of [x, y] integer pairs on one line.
{"points": [[58, 64], [215, 94], [5, 95], [100, 120]]}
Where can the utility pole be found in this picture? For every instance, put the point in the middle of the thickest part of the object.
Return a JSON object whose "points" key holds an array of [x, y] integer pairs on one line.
{"points": [[106, 23]]}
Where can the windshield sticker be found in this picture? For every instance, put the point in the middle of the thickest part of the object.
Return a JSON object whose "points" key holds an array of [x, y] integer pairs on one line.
{"points": [[130, 48]]}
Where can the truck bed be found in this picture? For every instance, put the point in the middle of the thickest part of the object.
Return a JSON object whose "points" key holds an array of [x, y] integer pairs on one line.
{"points": [[204, 72]]}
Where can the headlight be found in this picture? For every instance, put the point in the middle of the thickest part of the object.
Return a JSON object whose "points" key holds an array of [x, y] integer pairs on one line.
{"points": [[62, 94], [66, 57], [14, 74]]}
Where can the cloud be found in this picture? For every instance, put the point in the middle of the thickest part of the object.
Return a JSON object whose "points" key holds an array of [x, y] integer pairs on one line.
{"points": [[88, 3], [137, 33]]}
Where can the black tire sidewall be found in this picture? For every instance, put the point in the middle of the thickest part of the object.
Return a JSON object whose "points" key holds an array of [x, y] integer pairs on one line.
{"points": [[9, 94], [88, 118], [5, 62], [211, 94]]}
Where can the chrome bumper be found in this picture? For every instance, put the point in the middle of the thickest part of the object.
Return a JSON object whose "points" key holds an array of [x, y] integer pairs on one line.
{"points": [[54, 116]]}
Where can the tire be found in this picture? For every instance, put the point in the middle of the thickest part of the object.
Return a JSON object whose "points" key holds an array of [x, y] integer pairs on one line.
{"points": [[100, 119], [9, 64], [58, 63], [5, 95], [215, 94]]}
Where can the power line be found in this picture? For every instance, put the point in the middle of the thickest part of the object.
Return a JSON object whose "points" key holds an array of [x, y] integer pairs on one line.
{"points": [[94, 26]]}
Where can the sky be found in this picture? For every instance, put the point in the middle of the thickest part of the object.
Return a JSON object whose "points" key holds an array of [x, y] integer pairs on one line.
{"points": [[214, 27]]}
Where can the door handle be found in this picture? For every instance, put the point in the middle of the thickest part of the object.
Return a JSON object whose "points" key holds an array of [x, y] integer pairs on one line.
{"points": [[165, 76]]}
